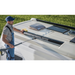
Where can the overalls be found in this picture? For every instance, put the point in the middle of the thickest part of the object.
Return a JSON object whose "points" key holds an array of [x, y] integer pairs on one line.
{"points": [[10, 52]]}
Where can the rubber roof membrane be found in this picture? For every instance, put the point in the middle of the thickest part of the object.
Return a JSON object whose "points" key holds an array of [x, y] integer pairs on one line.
{"points": [[58, 29], [73, 40]]}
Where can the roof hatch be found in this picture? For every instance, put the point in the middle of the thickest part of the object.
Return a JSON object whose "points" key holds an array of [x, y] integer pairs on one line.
{"points": [[37, 26]]}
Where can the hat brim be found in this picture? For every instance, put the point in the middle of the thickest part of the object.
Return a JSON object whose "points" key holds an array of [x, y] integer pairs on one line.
{"points": [[13, 19]]}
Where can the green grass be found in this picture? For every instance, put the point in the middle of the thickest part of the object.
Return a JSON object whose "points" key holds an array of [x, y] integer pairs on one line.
{"points": [[61, 19]]}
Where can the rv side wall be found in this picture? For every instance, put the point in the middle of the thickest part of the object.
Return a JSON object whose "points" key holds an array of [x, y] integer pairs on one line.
{"points": [[0, 55]]}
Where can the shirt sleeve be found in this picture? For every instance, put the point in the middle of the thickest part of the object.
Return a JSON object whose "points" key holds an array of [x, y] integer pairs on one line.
{"points": [[5, 31]]}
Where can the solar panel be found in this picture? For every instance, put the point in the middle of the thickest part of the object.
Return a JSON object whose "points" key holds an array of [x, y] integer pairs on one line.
{"points": [[73, 40], [58, 29]]}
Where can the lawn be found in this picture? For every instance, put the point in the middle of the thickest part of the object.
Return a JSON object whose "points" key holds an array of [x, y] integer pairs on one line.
{"points": [[61, 19]]}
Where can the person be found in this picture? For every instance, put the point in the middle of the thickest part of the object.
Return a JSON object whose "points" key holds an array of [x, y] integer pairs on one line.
{"points": [[8, 37]]}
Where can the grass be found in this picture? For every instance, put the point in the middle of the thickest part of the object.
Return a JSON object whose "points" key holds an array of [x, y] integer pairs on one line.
{"points": [[61, 19]]}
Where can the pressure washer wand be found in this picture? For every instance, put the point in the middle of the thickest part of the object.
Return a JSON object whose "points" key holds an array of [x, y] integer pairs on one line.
{"points": [[17, 44]]}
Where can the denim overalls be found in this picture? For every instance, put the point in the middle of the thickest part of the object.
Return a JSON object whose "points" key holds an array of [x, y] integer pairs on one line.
{"points": [[10, 52]]}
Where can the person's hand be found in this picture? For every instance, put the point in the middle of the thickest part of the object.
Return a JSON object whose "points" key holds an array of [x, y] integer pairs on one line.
{"points": [[11, 46], [22, 31]]}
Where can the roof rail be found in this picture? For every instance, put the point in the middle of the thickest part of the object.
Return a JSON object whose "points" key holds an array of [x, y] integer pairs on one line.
{"points": [[56, 24]]}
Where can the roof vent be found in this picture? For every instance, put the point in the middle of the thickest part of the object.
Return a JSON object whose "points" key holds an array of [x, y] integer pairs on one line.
{"points": [[37, 26], [33, 19], [71, 32]]}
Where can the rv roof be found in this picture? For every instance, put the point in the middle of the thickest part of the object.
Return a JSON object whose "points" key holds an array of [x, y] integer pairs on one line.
{"points": [[45, 32], [66, 47]]}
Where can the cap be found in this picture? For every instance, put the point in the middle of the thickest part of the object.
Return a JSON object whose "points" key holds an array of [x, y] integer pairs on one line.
{"points": [[9, 18]]}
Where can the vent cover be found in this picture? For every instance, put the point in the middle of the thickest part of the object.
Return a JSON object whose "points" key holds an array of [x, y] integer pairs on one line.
{"points": [[72, 33], [37, 26]]}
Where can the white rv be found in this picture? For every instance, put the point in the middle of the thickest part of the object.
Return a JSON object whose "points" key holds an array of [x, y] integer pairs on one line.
{"points": [[51, 41]]}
